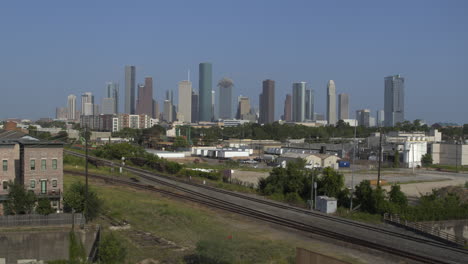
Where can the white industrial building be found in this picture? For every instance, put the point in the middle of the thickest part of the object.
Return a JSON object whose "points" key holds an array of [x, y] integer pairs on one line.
{"points": [[222, 153], [413, 150], [168, 154]]}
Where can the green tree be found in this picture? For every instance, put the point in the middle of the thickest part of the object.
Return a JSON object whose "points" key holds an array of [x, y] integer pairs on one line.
{"points": [[180, 142], [426, 159], [396, 159], [111, 250], [74, 198], [363, 194], [20, 201], [397, 197], [44, 207], [331, 182]]}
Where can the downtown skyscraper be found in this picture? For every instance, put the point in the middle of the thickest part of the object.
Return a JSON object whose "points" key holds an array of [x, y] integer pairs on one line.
{"points": [[298, 101], [130, 89], [71, 107], [309, 104], [331, 102], [112, 91], [145, 98], [87, 104], [225, 98], [267, 102], [287, 115], [343, 106], [185, 102], [394, 100], [205, 88]]}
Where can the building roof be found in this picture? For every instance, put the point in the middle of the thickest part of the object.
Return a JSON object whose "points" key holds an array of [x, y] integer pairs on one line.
{"points": [[11, 134], [305, 155]]}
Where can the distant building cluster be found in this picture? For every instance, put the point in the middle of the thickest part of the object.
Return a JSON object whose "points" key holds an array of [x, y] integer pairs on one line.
{"points": [[202, 105]]}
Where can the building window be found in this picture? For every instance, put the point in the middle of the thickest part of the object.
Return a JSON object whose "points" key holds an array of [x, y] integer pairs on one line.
{"points": [[5, 185], [43, 164], [54, 203], [33, 184], [54, 164], [33, 164], [43, 187], [54, 183], [5, 165]]}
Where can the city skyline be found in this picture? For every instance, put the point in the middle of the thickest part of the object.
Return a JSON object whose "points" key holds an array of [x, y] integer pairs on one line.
{"points": [[56, 66]]}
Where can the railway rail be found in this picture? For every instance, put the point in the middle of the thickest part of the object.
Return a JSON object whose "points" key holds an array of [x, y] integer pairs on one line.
{"points": [[236, 208]]}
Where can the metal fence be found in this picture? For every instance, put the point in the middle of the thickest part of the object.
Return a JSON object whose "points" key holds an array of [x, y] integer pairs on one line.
{"points": [[425, 229], [41, 220]]}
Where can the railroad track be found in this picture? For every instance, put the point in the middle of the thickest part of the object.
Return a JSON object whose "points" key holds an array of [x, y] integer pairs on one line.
{"points": [[232, 207]]}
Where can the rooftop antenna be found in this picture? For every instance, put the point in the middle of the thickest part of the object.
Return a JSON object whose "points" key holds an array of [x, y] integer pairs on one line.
{"points": [[188, 75]]}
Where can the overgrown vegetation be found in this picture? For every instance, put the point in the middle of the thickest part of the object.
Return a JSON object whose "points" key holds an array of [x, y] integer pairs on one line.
{"points": [[137, 156], [111, 250], [75, 199], [20, 201]]}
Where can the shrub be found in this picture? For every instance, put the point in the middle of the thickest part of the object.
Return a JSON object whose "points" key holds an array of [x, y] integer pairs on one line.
{"points": [[44, 207], [111, 250], [74, 198]]}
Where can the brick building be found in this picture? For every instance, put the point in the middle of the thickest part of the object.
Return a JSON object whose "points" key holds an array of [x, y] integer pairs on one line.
{"points": [[35, 164]]}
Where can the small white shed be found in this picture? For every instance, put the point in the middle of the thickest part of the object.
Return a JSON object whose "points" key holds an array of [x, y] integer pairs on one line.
{"points": [[326, 204]]}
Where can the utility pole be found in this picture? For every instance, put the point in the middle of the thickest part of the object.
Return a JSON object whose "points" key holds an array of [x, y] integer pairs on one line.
{"points": [[86, 169], [380, 158], [352, 170], [312, 192]]}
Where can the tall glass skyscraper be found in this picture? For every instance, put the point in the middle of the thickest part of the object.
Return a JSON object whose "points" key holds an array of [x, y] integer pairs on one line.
{"points": [[225, 98], [112, 91], [298, 104], [309, 104], [394, 101], [205, 90], [331, 103], [130, 89]]}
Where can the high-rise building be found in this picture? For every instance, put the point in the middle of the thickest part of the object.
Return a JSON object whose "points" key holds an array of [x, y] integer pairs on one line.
{"points": [[267, 102], [309, 104], [205, 88], [194, 107], [155, 109], [145, 98], [287, 115], [243, 107], [96, 109], [331, 102], [108, 106], [380, 118], [185, 102], [363, 117], [167, 114], [343, 106], [61, 113], [225, 98], [112, 91], [87, 104], [71, 106], [394, 101], [298, 101], [130, 89], [213, 106]]}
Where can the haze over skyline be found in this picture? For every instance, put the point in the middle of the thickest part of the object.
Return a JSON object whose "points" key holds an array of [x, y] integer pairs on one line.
{"points": [[52, 49]]}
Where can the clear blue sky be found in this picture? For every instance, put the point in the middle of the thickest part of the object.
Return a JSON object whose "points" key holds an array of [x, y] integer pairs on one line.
{"points": [[49, 49]]}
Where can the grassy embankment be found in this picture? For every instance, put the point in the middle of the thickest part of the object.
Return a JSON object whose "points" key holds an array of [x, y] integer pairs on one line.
{"points": [[188, 225]]}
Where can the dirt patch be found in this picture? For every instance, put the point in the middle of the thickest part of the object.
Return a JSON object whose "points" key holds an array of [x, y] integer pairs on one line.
{"points": [[147, 239], [251, 177]]}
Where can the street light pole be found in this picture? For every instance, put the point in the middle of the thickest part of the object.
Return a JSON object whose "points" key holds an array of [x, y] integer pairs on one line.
{"points": [[352, 171]]}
